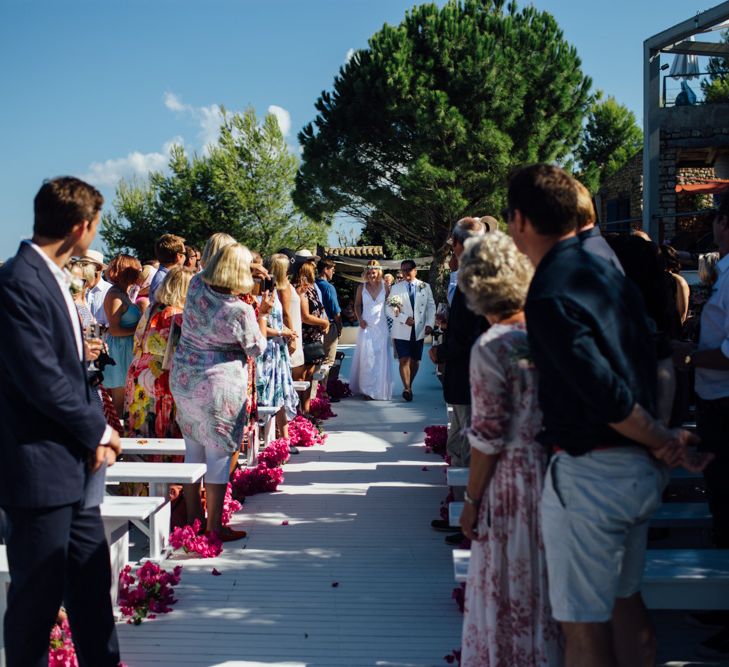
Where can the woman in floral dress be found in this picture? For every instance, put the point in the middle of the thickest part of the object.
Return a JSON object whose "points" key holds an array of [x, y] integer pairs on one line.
{"points": [[507, 619], [209, 377], [149, 409]]}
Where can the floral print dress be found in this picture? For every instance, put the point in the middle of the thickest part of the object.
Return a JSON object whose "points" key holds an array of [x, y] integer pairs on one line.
{"points": [[209, 378], [274, 384], [507, 619], [149, 409]]}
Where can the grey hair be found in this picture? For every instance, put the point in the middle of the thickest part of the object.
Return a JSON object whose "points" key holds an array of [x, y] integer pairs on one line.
{"points": [[707, 267], [468, 228], [493, 275]]}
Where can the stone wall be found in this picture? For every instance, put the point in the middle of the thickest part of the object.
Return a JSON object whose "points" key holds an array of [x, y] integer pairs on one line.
{"points": [[688, 134], [626, 182]]}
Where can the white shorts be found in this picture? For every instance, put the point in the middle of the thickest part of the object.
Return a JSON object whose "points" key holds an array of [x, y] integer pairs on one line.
{"points": [[595, 511], [217, 461]]}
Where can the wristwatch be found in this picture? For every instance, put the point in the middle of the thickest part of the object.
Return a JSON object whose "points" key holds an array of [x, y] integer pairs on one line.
{"points": [[470, 500]]}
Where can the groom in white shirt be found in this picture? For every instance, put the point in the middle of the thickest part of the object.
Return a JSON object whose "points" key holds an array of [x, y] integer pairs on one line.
{"points": [[412, 309]]}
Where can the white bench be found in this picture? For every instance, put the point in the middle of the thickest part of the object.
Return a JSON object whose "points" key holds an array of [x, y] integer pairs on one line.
{"points": [[672, 579], [266, 431], [143, 446], [158, 476], [686, 579], [4, 583], [117, 512], [459, 476], [301, 385], [668, 515]]}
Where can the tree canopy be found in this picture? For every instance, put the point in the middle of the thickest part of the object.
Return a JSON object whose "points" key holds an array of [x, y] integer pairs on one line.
{"points": [[610, 138], [423, 126], [716, 87], [242, 187]]}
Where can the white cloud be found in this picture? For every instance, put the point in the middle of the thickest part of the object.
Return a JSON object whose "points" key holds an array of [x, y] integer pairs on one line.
{"points": [[110, 172], [208, 118], [348, 57], [283, 117], [174, 103], [137, 164]]}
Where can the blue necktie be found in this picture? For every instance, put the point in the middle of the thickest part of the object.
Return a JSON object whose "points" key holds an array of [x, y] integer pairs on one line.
{"points": [[411, 292]]}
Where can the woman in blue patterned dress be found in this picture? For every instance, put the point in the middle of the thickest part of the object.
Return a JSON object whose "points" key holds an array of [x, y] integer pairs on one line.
{"points": [[274, 383]]}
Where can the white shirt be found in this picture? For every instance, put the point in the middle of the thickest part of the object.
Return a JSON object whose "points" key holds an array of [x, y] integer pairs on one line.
{"points": [[63, 278], [95, 298], [452, 284], [710, 382]]}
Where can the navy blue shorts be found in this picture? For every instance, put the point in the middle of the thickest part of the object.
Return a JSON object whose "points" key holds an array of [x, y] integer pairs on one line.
{"points": [[409, 348]]}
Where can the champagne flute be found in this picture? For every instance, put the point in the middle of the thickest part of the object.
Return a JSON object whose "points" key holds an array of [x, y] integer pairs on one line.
{"points": [[92, 333]]}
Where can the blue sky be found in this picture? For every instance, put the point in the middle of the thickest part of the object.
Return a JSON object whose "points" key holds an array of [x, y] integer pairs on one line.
{"points": [[100, 89]]}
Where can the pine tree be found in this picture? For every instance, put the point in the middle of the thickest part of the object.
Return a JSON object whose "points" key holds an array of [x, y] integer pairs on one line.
{"points": [[424, 125]]}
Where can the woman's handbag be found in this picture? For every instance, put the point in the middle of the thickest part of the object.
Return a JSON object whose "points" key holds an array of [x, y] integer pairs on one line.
{"points": [[313, 352]]}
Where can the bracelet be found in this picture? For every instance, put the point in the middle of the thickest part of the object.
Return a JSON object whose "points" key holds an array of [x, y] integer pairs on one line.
{"points": [[470, 500]]}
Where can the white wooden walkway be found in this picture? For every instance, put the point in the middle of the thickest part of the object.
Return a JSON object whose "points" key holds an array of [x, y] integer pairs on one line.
{"points": [[356, 578]]}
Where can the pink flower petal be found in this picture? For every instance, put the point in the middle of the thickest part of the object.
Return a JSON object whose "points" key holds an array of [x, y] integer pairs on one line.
{"points": [[284, 523]]}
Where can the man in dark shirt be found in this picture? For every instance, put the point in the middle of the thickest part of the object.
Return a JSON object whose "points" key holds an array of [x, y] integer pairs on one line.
{"points": [[589, 233], [463, 328], [593, 349]]}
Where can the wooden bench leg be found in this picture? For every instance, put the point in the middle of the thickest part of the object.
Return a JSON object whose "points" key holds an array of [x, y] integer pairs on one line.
{"points": [[159, 531], [117, 536]]}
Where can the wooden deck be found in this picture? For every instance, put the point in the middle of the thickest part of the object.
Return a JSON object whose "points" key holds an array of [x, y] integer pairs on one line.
{"points": [[356, 578]]}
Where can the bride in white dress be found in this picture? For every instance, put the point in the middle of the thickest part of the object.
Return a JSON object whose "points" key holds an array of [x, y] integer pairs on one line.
{"points": [[371, 373]]}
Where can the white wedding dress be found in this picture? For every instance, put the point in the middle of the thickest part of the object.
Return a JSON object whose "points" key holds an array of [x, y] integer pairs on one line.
{"points": [[371, 373]]}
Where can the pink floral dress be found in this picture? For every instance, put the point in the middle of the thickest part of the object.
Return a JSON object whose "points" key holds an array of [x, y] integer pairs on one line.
{"points": [[507, 619]]}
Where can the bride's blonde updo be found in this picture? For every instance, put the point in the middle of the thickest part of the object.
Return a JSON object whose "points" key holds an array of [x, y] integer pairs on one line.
{"points": [[373, 264]]}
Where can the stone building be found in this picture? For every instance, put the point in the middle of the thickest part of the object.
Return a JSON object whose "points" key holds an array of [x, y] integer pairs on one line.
{"points": [[694, 149]]}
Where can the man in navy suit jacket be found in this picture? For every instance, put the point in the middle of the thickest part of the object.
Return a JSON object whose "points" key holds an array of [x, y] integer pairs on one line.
{"points": [[52, 436]]}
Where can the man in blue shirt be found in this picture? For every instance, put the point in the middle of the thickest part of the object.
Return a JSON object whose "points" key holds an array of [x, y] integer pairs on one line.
{"points": [[169, 251], [594, 351], [329, 300]]}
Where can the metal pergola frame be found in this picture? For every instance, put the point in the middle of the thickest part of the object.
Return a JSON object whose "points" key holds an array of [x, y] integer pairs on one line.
{"points": [[674, 40]]}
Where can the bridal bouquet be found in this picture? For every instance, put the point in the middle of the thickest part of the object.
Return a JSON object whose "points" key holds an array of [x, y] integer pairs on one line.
{"points": [[395, 302]]}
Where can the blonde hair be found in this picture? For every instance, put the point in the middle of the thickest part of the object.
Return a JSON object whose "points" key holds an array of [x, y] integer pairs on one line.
{"points": [[214, 245], [494, 275], [279, 267], [707, 267], [306, 272], [373, 264], [230, 268], [173, 290], [585, 208]]}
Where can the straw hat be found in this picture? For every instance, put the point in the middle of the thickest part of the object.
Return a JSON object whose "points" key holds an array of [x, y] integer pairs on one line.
{"points": [[94, 257]]}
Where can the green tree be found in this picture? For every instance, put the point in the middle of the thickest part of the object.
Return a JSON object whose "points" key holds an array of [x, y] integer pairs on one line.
{"points": [[243, 187], [423, 126], [610, 138], [716, 87]]}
